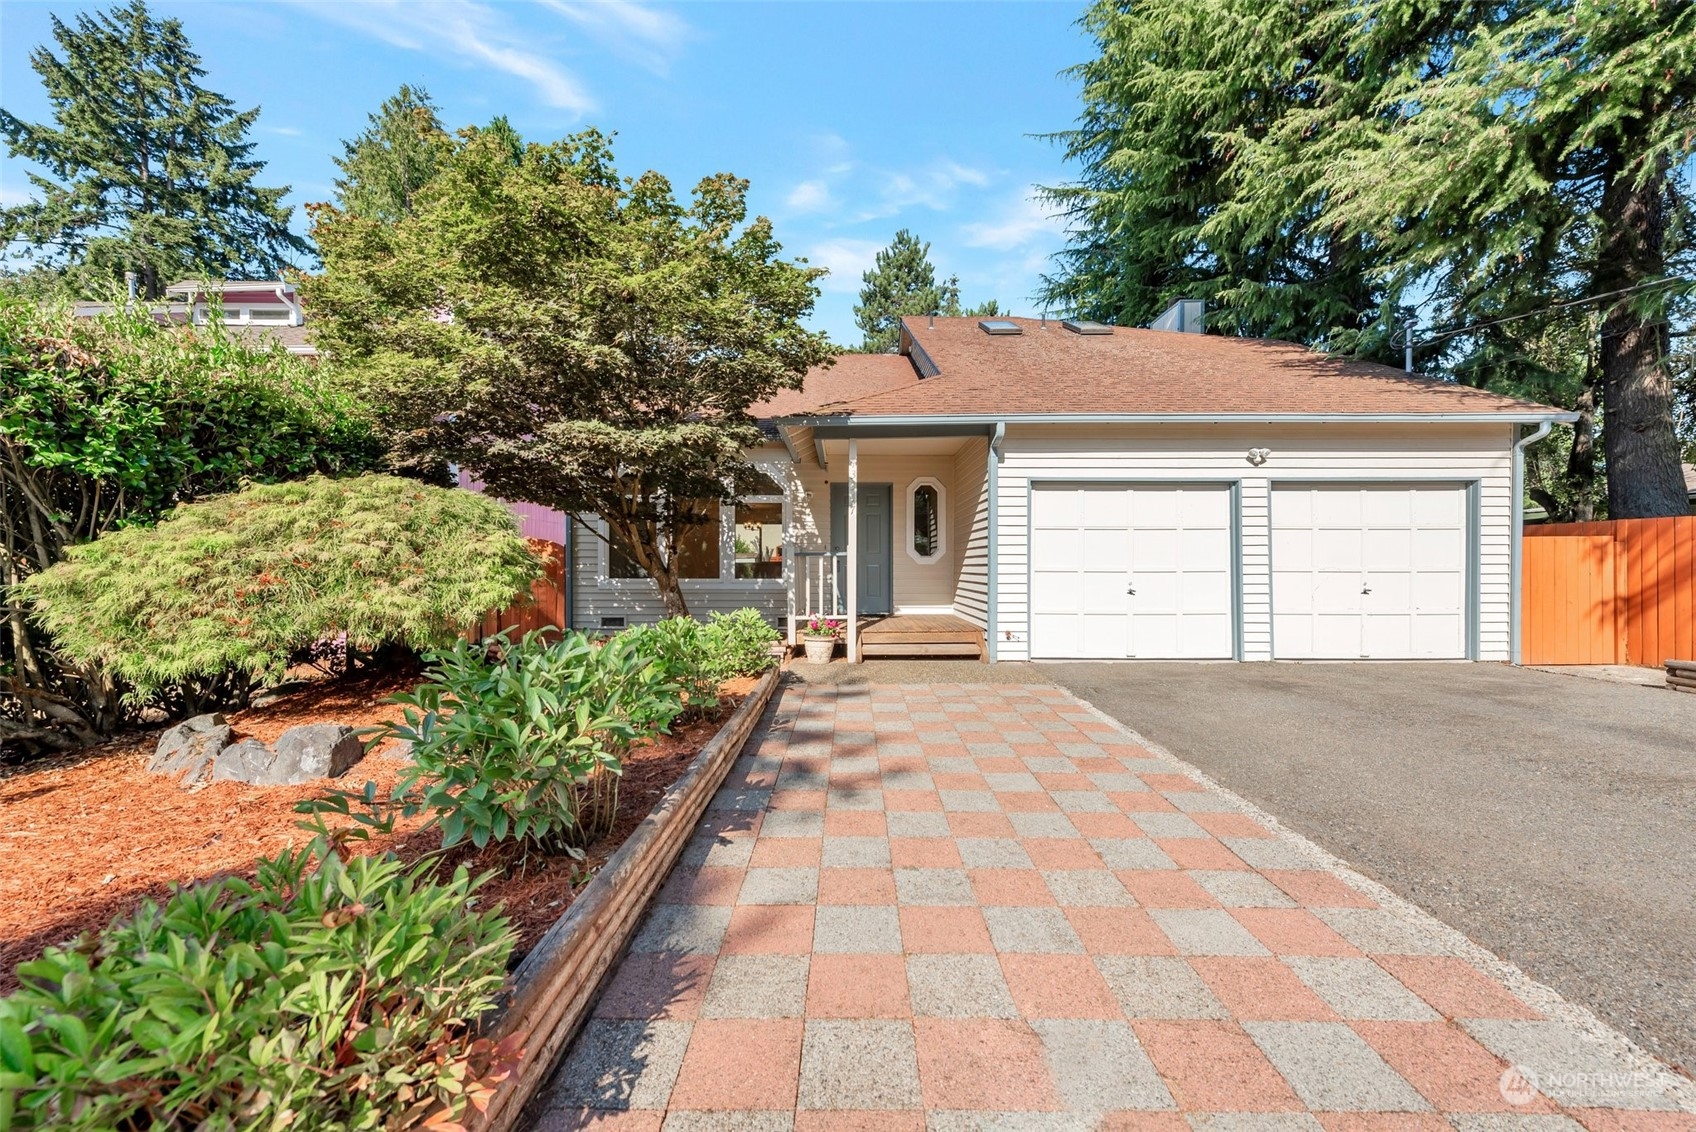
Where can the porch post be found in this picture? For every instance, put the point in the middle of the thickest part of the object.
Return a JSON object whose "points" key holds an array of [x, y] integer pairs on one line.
{"points": [[853, 551]]}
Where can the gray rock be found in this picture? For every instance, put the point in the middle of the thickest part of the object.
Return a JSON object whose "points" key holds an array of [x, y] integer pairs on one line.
{"points": [[316, 750], [246, 761], [188, 749]]}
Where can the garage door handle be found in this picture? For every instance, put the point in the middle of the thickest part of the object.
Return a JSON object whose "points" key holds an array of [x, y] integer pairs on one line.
{"points": [[1132, 590], [1366, 589]]}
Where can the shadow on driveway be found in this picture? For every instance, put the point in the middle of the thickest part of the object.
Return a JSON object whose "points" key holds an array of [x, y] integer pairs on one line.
{"points": [[1551, 819]]}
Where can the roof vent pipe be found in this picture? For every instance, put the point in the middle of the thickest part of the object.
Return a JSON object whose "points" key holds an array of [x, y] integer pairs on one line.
{"points": [[1186, 316], [933, 320]]}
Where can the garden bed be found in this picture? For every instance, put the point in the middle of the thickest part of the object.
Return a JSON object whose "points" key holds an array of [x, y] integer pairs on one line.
{"points": [[89, 836]]}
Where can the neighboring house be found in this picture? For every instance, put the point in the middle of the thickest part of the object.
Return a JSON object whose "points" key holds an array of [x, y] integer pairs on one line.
{"points": [[1072, 490], [262, 309]]}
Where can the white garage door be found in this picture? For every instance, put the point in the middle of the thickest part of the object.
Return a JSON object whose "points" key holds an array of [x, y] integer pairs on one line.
{"points": [[1131, 571], [1369, 571]]}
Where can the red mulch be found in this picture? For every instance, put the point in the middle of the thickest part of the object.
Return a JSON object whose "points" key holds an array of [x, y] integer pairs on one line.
{"points": [[86, 837]]}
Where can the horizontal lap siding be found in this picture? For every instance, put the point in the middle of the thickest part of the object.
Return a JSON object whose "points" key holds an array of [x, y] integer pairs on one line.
{"points": [[1447, 453], [971, 531]]}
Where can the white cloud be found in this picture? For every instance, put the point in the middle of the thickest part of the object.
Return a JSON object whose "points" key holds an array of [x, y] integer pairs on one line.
{"points": [[476, 33], [934, 185], [847, 261], [1027, 222], [809, 196], [645, 35], [285, 131]]}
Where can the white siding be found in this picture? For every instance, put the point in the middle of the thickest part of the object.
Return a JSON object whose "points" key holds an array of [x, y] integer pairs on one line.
{"points": [[1432, 453], [971, 531]]}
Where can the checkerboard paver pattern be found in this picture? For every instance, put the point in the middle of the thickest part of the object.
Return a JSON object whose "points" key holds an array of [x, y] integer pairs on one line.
{"points": [[983, 907]]}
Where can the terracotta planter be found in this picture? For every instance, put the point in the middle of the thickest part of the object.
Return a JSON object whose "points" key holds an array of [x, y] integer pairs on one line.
{"points": [[820, 649]]}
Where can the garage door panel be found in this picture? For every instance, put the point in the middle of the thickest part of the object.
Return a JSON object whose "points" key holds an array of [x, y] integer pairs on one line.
{"points": [[1386, 549], [1393, 585], [1205, 594], [1172, 543], [1103, 593], [1104, 508], [1155, 549], [1437, 549], [1057, 548], [1437, 592], [1336, 509], [1336, 549]]}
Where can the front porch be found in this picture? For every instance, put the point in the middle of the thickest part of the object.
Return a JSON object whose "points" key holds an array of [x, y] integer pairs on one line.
{"points": [[888, 536], [920, 634]]}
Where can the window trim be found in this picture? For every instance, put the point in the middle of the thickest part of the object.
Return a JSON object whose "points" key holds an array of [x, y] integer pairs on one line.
{"points": [[727, 579], [911, 535]]}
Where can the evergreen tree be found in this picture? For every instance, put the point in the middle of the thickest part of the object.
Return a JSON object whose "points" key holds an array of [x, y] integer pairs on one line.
{"points": [[1546, 160], [903, 283], [146, 171], [396, 156]]}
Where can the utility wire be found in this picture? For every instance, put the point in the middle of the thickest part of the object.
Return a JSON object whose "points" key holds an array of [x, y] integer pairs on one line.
{"points": [[1649, 286]]}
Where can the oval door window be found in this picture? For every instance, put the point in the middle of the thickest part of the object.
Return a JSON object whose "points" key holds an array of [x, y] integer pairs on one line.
{"points": [[927, 521]]}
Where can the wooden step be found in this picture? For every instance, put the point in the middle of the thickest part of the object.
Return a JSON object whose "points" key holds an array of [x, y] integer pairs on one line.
{"points": [[923, 647]]}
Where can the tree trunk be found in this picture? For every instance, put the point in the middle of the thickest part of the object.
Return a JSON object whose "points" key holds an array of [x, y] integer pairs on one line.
{"points": [[1644, 477], [1581, 460], [671, 592]]}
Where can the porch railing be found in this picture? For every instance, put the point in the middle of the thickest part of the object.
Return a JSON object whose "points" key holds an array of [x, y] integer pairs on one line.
{"points": [[820, 583]]}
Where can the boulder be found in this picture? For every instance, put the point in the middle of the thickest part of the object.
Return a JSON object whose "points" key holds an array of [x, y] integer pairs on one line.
{"points": [[246, 761], [188, 749], [316, 750]]}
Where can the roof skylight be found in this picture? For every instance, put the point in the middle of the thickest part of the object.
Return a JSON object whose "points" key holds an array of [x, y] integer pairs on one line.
{"points": [[1083, 326], [998, 326]]}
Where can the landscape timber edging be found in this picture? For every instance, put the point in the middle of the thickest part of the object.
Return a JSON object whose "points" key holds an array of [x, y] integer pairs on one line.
{"points": [[556, 983]]}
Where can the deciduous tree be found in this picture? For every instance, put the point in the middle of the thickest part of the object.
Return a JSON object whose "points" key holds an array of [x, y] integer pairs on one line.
{"points": [[570, 337]]}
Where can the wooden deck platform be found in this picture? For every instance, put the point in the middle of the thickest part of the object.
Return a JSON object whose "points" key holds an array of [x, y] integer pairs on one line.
{"points": [[916, 634]]}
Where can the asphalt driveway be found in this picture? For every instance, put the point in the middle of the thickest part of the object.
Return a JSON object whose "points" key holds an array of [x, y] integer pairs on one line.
{"points": [[1550, 818]]}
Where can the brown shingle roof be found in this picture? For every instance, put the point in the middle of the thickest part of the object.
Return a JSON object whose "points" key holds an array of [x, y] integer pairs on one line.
{"points": [[851, 377], [1050, 370]]}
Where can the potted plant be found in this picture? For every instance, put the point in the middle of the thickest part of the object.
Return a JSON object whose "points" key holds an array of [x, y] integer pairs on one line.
{"points": [[819, 635]]}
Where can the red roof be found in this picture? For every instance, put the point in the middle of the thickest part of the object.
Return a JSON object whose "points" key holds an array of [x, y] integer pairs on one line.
{"points": [[1048, 370]]}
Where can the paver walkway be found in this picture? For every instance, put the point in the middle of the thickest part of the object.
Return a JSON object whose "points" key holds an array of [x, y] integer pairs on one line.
{"points": [[962, 907]]}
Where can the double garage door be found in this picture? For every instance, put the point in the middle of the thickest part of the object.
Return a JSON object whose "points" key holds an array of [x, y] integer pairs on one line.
{"points": [[1148, 571]]}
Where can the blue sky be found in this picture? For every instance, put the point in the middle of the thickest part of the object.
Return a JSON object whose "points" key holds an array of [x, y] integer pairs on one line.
{"points": [[850, 119]]}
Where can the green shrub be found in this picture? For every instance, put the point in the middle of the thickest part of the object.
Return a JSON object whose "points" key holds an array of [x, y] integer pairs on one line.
{"points": [[738, 644], [323, 994], [678, 645], [239, 583], [114, 420], [525, 740]]}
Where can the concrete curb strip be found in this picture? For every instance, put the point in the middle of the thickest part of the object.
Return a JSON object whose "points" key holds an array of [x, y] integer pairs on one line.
{"points": [[554, 987], [1679, 1090]]}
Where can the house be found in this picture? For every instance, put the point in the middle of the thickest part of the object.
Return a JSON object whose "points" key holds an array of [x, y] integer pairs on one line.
{"points": [[261, 309], [1023, 488]]}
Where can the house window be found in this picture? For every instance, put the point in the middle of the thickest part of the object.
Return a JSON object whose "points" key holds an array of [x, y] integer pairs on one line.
{"points": [[697, 548], [759, 540], [927, 531]]}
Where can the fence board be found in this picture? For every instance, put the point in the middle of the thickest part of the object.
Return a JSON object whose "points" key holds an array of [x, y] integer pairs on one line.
{"points": [[1654, 591], [545, 608]]}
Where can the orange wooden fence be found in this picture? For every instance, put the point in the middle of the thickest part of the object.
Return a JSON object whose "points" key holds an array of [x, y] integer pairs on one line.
{"points": [[544, 610], [1616, 592]]}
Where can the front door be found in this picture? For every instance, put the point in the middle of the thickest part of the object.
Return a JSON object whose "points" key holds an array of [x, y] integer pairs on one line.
{"points": [[876, 541]]}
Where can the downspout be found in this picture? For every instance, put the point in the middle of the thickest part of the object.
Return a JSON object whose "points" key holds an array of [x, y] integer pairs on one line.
{"points": [[570, 571], [1515, 582], [991, 589]]}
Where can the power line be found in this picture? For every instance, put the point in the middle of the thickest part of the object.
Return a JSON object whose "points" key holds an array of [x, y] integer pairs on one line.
{"points": [[1648, 286]]}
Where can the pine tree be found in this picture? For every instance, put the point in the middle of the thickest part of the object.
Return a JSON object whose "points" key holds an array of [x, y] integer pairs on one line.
{"points": [[903, 283], [146, 171], [396, 156]]}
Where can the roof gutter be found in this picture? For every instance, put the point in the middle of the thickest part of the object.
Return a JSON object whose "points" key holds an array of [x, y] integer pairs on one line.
{"points": [[1515, 544], [991, 589], [847, 420]]}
